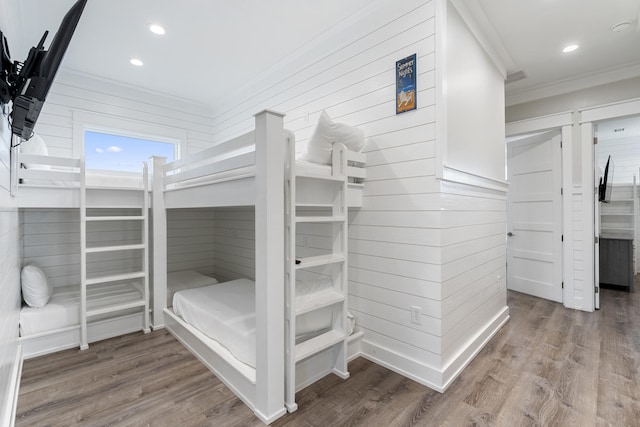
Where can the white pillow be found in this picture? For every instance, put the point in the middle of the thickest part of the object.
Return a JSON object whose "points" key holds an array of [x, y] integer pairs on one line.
{"points": [[190, 278], [327, 132], [36, 291], [35, 145]]}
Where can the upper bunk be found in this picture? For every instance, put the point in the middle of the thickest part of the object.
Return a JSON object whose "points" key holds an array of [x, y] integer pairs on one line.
{"points": [[54, 182], [235, 172]]}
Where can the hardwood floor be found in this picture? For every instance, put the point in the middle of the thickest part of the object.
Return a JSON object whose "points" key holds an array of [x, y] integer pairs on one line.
{"points": [[547, 366]]}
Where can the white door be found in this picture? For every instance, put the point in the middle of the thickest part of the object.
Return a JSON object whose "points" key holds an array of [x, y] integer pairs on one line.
{"points": [[534, 216]]}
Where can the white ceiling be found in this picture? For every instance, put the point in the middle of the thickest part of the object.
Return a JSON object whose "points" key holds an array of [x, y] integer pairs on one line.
{"points": [[210, 46], [214, 46], [533, 33]]}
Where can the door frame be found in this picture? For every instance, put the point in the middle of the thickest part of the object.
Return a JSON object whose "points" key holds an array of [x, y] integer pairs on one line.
{"points": [[587, 118], [563, 122]]}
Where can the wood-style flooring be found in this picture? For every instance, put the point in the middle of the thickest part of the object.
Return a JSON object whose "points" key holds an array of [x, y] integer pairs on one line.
{"points": [[548, 366]]}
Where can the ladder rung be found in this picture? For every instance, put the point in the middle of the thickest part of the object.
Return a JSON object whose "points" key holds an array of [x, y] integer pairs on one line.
{"points": [[316, 261], [93, 187], [115, 307], [337, 178], [337, 218], [319, 300], [115, 218], [115, 278], [317, 344], [116, 248]]}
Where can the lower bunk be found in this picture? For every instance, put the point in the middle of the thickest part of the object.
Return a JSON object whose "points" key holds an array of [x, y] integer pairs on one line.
{"points": [[217, 323], [56, 325]]}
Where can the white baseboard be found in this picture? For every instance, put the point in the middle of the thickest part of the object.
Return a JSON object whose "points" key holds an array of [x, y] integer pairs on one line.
{"points": [[433, 377], [10, 405], [473, 347]]}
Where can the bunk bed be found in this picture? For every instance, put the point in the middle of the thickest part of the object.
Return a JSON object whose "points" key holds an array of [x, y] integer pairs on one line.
{"points": [[259, 169], [104, 304]]}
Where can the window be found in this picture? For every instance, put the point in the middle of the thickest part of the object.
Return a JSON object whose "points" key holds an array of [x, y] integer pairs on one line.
{"points": [[123, 153]]}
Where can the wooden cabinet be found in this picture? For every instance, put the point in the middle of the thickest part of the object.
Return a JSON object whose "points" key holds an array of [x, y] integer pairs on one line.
{"points": [[616, 260]]}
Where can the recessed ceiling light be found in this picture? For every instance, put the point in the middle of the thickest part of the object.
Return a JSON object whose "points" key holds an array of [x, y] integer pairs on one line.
{"points": [[570, 48], [156, 29], [136, 62], [621, 26]]}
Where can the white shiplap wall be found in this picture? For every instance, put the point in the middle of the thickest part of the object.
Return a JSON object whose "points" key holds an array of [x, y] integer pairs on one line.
{"points": [[190, 244], [10, 244], [404, 249], [52, 241], [235, 245], [393, 242], [52, 236], [625, 154]]}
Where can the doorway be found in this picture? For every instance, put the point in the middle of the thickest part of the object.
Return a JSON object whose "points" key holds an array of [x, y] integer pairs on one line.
{"points": [[534, 215], [617, 206]]}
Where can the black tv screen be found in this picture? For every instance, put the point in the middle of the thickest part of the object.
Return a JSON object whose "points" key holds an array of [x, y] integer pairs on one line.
{"points": [[37, 73], [606, 183]]}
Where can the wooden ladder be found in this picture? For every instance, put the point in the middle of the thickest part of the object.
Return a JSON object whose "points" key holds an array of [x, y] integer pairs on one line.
{"points": [[335, 297], [99, 293]]}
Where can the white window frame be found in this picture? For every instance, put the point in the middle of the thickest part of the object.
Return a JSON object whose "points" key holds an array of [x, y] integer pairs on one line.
{"points": [[85, 121]]}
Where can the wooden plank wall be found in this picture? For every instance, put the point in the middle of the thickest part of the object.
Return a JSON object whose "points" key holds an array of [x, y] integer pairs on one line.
{"points": [[393, 247]]}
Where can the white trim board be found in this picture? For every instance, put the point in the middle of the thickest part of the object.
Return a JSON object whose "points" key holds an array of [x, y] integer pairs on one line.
{"points": [[10, 406], [610, 111], [538, 124], [429, 376]]}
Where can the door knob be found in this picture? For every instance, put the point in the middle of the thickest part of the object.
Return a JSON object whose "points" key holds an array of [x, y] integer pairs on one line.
{"points": [[510, 234]]}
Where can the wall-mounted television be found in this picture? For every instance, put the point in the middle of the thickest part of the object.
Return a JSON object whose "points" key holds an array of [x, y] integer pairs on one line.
{"points": [[606, 183], [28, 83]]}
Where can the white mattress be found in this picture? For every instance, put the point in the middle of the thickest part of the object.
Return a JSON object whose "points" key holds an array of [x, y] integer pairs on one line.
{"points": [[226, 313], [63, 309]]}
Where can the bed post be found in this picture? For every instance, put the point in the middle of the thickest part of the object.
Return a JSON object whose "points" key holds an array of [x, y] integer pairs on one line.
{"points": [[159, 233], [270, 265]]}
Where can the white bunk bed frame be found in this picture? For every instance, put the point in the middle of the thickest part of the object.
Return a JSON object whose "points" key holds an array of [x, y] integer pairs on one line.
{"points": [[259, 180], [60, 185]]}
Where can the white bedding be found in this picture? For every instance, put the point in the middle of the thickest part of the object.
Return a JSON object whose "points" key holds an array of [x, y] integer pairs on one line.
{"points": [[63, 309], [186, 279], [226, 313]]}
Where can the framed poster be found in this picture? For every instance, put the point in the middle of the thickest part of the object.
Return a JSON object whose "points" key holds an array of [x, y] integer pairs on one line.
{"points": [[406, 84]]}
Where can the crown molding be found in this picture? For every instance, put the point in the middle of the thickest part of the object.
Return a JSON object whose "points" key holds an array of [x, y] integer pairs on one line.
{"points": [[572, 84]]}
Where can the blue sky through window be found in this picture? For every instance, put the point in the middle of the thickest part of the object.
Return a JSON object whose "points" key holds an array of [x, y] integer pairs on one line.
{"points": [[122, 153]]}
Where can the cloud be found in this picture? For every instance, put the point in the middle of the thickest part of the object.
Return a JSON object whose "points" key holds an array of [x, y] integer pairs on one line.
{"points": [[99, 150], [114, 149]]}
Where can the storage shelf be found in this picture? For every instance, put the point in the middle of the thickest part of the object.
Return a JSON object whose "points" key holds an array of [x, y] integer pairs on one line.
{"points": [[316, 261], [317, 344], [319, 300]]}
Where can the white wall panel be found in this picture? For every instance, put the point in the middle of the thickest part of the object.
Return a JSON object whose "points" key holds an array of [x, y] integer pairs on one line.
{"points": [[10, 255], [393, 253]]}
